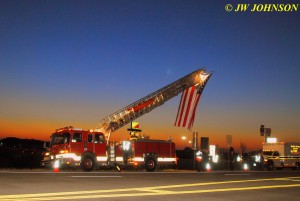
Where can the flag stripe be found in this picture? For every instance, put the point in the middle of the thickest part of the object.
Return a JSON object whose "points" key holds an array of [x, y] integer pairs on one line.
{"points": [[186, 106], [187, 111], [181, 107], [194, 110]]}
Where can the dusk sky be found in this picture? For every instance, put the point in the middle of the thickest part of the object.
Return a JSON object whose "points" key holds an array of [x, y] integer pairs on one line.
{"points": [[73, 62]]}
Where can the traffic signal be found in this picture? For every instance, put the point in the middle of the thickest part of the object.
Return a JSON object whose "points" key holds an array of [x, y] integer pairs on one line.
{"points": [[268, 131]]}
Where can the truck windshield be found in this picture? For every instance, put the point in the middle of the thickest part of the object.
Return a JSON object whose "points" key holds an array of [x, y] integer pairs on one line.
{"points": [[60, 138]]}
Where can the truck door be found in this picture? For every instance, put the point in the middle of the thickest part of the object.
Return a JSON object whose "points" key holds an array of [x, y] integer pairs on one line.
{"points": [[89, 145], [100, 147], [77, 143]]}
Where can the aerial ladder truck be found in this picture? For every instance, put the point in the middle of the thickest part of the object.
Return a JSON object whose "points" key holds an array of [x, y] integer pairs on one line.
{"points": [[71, 146]]}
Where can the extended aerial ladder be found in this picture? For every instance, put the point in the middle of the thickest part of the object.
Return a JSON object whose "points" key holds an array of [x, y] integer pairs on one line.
{"points": [[135, 110]]}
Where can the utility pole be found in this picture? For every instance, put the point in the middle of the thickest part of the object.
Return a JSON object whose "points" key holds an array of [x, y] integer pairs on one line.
{"points": [[195, 147], [228, 143]]}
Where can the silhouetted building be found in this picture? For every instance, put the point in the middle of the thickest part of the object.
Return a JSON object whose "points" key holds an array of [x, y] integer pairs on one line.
{"points": [[20, 153]]}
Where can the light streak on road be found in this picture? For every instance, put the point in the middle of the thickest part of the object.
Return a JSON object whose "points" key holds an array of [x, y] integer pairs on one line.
{"points": [[154, 191], [96, 176]]}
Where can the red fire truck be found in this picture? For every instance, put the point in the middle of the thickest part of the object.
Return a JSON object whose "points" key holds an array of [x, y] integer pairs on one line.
{"points": [[149, 153], [74, 147], [89, 149]]}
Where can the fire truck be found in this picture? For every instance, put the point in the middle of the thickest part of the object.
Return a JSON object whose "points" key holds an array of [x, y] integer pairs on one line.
{"points": [[89, 149], [281, 155], [149, 153]]}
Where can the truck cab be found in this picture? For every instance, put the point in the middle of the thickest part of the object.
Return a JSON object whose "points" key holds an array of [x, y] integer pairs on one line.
{"points": [[76, 147], [269, 157]]}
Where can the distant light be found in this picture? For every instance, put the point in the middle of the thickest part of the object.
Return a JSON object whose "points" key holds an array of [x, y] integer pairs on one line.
{"points": [[126, 145], [246, 168], [215, 158], [56, 164], [212, 150], [183, 138], [271, 140], [207, 167], [257, 158]]}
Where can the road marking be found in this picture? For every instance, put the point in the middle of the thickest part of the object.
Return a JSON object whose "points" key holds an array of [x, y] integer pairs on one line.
{"points": [[149, 193], [96, 176], [146, 191]]}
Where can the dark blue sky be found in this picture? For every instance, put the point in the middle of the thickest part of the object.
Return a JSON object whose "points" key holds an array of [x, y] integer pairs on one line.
{"points": [[74, 62]]}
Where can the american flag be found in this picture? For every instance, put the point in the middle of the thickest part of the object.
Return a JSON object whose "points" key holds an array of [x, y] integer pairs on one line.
{"points": [[187, 107]]}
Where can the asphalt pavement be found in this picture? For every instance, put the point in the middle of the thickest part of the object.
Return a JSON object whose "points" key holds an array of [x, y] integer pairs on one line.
{"points": [[162, 185]]}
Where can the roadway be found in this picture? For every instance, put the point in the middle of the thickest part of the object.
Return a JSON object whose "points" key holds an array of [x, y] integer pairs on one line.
{"points": [[163, 185]]}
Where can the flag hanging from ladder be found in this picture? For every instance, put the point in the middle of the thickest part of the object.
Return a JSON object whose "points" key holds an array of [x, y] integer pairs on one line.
{"points": [[187, 107]]}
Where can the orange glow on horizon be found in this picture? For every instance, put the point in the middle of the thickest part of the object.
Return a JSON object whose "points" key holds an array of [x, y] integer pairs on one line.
{"points": [[155, 124]]}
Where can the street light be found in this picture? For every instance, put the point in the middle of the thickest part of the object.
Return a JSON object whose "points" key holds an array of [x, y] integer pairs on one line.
{"points": [[184, 139]]}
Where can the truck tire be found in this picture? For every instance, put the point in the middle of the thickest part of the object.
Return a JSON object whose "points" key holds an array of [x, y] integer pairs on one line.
{"points": [[87, 163], [150, 164]]}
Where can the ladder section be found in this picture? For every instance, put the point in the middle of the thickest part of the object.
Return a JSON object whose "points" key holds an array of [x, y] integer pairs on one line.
{"points": [[133, 111]]}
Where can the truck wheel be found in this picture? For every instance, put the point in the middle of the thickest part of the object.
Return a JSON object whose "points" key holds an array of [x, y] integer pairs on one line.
{"points": [[150, 164], [87, 163]]}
